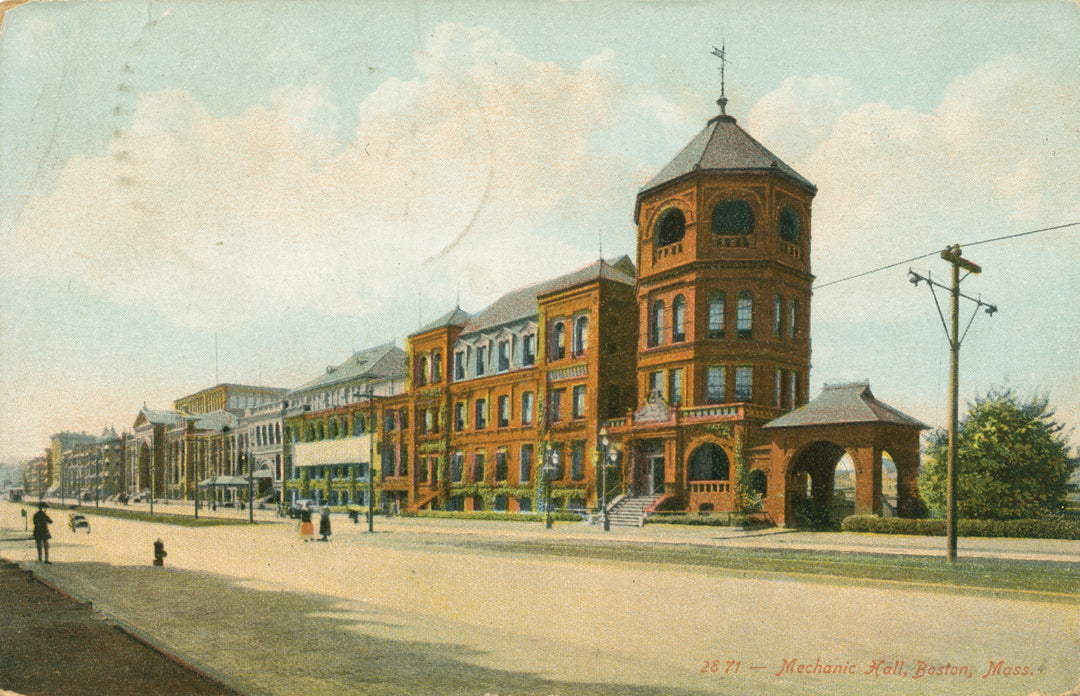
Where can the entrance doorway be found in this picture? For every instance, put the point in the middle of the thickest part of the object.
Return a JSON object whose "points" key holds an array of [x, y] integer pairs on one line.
{"points": [[655, 478]]}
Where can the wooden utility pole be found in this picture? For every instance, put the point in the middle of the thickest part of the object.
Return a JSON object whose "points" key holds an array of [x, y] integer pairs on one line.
{"points": [[952, 255]]}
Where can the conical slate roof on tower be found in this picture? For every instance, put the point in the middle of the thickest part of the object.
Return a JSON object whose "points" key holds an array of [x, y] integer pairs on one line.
{"points": [[723, 146]]}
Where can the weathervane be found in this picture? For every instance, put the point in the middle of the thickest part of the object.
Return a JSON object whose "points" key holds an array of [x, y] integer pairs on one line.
{"points": [[722, 55]]}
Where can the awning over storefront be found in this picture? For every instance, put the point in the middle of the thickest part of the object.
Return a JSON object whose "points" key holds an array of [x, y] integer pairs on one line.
{"points": [[223, 482], [346, 450]]}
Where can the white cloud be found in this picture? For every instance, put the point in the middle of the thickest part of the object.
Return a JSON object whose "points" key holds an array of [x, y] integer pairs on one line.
{"points": [[798, 115], [218, 220], [897, 182]]}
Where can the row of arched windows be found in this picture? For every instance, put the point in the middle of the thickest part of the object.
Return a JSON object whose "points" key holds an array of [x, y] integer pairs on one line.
{"points": [[579, 338], [783, 322], [269, 434], [428, 368], [733, 216], [333, 428]]}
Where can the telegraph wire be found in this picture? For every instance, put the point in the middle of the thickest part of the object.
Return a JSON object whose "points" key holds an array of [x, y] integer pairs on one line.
{"points": [[934, 253]]}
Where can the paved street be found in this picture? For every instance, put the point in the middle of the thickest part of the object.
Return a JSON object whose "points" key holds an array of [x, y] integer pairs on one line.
{"points": [[418, 609]]}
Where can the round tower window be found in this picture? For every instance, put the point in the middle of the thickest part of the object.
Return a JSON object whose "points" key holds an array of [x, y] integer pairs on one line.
{"points": [[671, 227], [733, 216]]}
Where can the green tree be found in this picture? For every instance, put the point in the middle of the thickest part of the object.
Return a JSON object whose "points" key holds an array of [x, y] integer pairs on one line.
{"points": [[1012, 460]]}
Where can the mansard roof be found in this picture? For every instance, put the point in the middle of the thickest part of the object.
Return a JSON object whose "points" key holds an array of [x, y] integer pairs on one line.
{"points": [[723, 146], [844, 404], [521, 304], [381, 362], [455, 317]]}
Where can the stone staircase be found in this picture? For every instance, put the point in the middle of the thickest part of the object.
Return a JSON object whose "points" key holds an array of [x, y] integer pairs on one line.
{"points": [[630, 511]]}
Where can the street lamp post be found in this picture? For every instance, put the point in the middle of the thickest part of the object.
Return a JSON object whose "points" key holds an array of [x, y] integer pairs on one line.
{"points": [[371, 460], [608, 456], [193, 461], [251, 498], [153, 462], [97, 479], [549, 469]]}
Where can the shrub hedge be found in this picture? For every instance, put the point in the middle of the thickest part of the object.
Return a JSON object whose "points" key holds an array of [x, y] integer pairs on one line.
{"points": [[1045, 528], [490, 515], [720, 519]]}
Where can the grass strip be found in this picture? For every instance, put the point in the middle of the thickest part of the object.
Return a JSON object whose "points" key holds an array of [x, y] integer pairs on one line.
{"points": [[1060, 580], [160, 518]]}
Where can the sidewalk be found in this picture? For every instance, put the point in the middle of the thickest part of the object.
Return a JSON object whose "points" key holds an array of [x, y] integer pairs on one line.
{"points": [[53, 645]]}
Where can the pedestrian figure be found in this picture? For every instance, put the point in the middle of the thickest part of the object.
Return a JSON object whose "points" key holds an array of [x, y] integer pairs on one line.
{"points": [[41, 532], [324, 524], [307, 529]]}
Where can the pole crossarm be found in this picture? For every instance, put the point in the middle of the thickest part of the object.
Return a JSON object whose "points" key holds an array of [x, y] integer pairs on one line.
{"points": [[916, 278]]}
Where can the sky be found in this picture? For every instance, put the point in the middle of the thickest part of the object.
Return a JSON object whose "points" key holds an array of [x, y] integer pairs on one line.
{"points": [[196, 192]]}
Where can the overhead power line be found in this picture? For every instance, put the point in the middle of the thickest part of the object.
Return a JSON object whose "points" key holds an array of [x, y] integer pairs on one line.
{"points": [[937, 251]]}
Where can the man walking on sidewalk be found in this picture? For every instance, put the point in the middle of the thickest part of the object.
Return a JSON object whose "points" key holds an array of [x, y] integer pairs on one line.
{"points": [[41, 532]]}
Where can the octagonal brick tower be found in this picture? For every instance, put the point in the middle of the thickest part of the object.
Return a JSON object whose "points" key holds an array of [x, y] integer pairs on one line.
{"points": [[724, 278]]}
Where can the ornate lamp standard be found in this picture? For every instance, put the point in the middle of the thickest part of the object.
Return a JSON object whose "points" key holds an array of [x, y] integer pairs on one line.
{"points": [[608, 456], [550, 467], [246, 458]]}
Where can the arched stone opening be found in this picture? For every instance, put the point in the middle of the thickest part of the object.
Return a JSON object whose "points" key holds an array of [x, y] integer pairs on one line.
{"points": [[809, 483]]}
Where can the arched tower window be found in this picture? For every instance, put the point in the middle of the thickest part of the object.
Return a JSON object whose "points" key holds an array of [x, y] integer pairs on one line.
{"points": [[678, 319], [789, 225], [778, 316], [744, 315], [670, 227], [656, 323], [733, 216], [793, 313], [422, 370], [436, 367], [716, 314]]}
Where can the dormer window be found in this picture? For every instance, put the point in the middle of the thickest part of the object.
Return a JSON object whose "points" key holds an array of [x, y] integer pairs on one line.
{"points": [[481, 361], [670, 227], [504, 356], [789, 225], [528, 350], [732, 216]]}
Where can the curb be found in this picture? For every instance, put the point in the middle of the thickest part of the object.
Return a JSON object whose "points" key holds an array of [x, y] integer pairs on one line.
{"points": [[204, 671]]}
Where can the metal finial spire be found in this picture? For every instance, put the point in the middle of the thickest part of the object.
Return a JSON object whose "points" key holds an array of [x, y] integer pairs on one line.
{"points": [[721, 53]]}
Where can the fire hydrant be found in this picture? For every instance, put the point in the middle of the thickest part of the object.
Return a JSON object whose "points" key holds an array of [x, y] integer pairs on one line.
{"points": [[159, 553]]}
